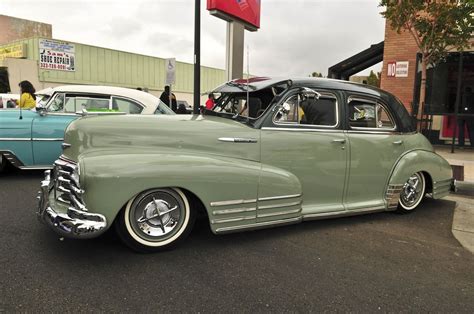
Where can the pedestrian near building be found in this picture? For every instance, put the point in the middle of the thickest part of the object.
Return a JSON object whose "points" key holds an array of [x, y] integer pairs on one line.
{"points": [[210, 101], [165, 97], [27, 98], [467, 107]]}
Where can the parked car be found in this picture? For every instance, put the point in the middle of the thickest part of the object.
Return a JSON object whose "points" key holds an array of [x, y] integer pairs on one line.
{"points": [[308, 149], [31, 139], [8, 100]]}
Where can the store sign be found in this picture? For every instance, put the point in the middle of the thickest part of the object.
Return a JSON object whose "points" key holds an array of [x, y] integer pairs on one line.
{"points": [[13, 51], [401, 69], [246, 11], [56, 55], [397, 69], [170, 68]]}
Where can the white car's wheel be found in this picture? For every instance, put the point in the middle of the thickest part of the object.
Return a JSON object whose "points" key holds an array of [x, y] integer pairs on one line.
{"points": [[155, 220], [412, 193]]}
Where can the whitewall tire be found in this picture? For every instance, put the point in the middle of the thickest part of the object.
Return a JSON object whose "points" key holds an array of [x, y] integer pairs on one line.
{"points": [[155, 220]]}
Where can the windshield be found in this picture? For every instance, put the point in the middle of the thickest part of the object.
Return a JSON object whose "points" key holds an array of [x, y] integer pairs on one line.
{"points": [[41, 100], [163, 109], [249, 106]]}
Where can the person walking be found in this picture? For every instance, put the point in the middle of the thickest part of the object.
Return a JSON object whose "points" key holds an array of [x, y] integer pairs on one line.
{"points": [[28, 97], [165, 98], [467, 107]]}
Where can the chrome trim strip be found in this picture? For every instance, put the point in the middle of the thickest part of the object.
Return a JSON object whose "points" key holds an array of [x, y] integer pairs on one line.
{"points": [[259, 225], [11, 157], [47, 139], [443, 181], [233, 202], [234, 210], [21, 139], [360, 131], [223, 221], [65, 145], [350, 212], [279, 205], [35, 167], [270, 198], [238, 140], [285, 212], [303, 130]]}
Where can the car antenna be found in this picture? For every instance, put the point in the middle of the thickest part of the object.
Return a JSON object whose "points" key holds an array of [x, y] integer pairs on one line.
{"points": [[248, 74], [21, 113]]}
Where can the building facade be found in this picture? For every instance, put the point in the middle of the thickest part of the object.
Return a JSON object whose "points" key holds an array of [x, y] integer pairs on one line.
{"points": [[401, 76], [49, 62]]}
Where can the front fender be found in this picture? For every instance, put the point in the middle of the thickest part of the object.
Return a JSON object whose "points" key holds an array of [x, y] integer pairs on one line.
{"points": [[431, 163], [110, 181]]}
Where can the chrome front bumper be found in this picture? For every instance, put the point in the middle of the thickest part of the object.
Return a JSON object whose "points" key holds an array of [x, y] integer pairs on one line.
{"points": [[67, 220]]}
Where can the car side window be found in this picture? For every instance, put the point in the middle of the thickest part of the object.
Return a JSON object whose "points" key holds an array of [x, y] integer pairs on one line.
{"points": [[92, 104], [369, 114], [57, 103], [308, 110], [288, 113], [70, 104], [125, 105]]}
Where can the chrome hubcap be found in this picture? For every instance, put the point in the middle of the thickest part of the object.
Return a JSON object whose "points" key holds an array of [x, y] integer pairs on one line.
{"points": [[412, 190], [157, 215]]}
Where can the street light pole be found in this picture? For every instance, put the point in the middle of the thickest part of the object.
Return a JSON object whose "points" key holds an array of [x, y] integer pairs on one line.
{"points": [[197, 56]]}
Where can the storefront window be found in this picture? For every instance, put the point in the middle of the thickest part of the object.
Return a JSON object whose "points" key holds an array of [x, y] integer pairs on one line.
{"points": [[442, 81]]}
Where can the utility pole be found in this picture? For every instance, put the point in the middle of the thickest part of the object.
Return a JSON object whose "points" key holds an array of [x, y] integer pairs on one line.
{"points": [[197, 56]]}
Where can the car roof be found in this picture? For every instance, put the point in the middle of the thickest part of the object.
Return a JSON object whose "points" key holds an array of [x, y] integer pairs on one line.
{"points": [[259, 83], [143, 97]]}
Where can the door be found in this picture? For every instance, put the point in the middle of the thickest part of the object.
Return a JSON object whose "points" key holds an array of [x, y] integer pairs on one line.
{"points": [[48, 129], [304, 137], [375, 146]]}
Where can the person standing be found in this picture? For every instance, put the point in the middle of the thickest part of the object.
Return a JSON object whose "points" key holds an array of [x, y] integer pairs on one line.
{"points": [[467, 107], [211, 101], [28, 97], [165, 98]]}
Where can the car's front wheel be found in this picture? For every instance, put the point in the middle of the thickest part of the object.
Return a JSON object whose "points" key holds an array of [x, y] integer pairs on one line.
{"points": [[412, 193], [155, 220]]}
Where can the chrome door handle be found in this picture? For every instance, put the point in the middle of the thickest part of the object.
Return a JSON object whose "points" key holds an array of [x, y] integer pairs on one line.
{"points": [[398, 142], [341, 141]]}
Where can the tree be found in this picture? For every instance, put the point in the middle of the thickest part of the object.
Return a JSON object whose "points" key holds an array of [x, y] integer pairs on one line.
{"points": [[374, 79], [316, 74], [437, 26]]}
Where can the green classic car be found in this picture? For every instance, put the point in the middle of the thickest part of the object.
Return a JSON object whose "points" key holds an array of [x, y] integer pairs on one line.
{"points": [[271, 152]]}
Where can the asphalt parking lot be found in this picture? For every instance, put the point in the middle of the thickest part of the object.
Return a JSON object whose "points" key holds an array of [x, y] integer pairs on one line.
{"points": [[377, 262]]}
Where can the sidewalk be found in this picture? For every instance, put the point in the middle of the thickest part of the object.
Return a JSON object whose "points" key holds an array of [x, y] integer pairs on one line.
{"points": [[463, 220], [460, 157]]}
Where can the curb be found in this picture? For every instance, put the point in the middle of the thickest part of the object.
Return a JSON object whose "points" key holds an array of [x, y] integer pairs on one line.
{"points": [[463, 219]]}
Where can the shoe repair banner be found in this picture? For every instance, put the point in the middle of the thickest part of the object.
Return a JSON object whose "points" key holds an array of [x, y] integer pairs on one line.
{"points": [[247, 11], [56, 55]]}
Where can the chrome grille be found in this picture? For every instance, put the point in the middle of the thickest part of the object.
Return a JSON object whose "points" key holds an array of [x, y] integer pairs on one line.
{"points": [[66, 184]]}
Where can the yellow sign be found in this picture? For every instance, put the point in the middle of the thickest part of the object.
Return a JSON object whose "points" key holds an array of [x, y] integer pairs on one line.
{"points": [[13, 51]]}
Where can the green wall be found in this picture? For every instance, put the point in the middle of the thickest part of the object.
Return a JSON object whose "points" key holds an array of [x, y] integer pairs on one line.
{"points": [[102, 66]]}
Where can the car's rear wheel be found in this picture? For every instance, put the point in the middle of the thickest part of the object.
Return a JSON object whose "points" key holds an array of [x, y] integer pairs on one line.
{"points": [[155, 220], [412, 193]]}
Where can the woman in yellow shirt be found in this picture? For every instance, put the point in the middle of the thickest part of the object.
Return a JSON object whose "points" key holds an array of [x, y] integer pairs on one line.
{"points": [[27, 98]]}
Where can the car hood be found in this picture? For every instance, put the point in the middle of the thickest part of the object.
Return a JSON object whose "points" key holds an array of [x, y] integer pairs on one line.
{"points": [[178, 134]]}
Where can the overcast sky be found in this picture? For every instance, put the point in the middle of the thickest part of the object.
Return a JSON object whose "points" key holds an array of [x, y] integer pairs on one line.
{"points": [[297, 37]]}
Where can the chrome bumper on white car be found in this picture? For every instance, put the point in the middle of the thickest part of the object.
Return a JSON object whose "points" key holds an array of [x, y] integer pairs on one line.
{"points": [[61, 206]]}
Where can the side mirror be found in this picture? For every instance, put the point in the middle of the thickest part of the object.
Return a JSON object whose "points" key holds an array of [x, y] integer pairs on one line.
{"points": [[41, 111]]}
